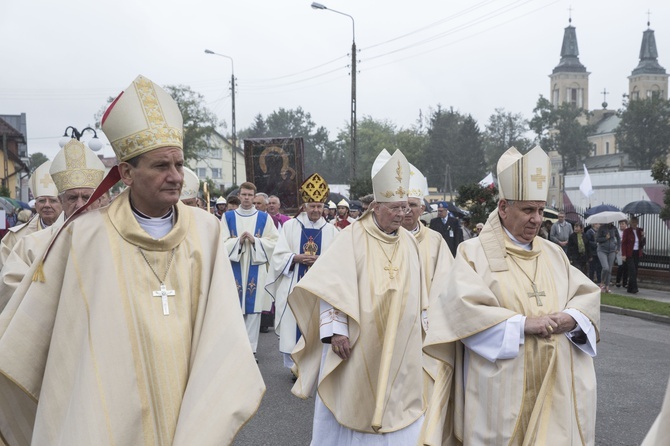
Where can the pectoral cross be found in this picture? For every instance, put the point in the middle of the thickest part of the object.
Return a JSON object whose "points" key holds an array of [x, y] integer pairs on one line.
{"points": [[163, 293], [536, 294], [392, 270]]}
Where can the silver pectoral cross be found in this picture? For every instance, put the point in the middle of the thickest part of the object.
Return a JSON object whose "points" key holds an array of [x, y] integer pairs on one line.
{"points": [[163, 293], [536, 294]]}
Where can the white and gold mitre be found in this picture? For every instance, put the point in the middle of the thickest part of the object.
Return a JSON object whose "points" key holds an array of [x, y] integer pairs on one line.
{"points": [[142, 118], [41, 182], [418, 184], [191, 185], [391, 181], [524, 177], [76, 166]]}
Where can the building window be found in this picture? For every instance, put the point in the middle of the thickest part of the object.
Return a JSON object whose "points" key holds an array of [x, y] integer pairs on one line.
{"points": [[607, 148], [215, 152], [201, 172], [553, 181], [216, 172], [555, 98], [594, 151]]}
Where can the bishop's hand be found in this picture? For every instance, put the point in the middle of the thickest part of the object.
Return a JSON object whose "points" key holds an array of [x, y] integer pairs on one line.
{"points": [[542, 326], [341, 347]]}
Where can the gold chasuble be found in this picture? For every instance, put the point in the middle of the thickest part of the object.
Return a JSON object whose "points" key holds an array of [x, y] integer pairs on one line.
{"points": [[547, 393], [15, 233], [379, 388], [90, 357]]}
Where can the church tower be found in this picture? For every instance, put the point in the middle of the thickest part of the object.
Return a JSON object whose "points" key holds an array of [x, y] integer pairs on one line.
{"points": [[569, 82], [649, 78]]}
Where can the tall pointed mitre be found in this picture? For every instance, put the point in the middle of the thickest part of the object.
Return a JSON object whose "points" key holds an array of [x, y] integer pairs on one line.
{"points": [[76, 166], [418, 184], [314, 189], [391, 181], [524, 177], [41, 183], [191, 185], [142, 118]]}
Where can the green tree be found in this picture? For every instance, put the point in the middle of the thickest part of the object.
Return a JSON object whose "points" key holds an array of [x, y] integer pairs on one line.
{"points": [[199, 121], [504, 130], [468, 159], [443, 129], [480, 201], [660, 171], [360, 186], [559, 128], [644, 130], [35, 160]]}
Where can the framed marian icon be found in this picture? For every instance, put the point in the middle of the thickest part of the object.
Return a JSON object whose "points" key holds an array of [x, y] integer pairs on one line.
{"points": [[275, 166]]}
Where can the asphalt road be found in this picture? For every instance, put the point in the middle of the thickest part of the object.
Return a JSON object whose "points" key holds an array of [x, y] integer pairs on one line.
{"points": [[633, 366]]}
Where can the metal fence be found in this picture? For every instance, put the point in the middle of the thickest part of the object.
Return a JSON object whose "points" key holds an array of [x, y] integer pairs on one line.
{"points": [[657, 232]]}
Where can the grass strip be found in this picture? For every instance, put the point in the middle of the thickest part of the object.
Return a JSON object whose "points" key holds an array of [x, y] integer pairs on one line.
{"points": [[634, 303]]}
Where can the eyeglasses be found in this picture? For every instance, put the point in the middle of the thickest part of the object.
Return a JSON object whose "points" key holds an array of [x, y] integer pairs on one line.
{"points": [[397, 209]]}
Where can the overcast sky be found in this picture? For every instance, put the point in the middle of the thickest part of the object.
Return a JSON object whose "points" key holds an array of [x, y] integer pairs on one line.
{"points": [[62, 59]]}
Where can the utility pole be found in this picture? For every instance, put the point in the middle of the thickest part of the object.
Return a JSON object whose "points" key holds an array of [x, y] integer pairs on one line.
{"points": [[234, 131], [352, 172]]}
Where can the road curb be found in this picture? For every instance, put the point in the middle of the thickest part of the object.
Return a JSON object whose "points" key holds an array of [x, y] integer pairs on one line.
{"points": [[635, 313]]}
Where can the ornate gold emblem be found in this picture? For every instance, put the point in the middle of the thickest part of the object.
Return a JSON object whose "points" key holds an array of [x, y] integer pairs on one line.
{"points": [[251, 286], [310, 248], [401, 192], [398, 171], [388, 194]]}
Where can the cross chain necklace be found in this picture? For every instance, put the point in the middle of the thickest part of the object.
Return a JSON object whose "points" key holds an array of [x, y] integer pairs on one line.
{"points": [[163, 293], [536, 294], [390, 268]]}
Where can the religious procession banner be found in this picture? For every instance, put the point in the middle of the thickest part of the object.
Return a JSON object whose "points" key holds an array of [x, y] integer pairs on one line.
{"points": [[276, 166]]}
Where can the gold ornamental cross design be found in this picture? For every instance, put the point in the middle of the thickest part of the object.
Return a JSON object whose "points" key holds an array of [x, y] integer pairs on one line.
{"points": [[538, 177]]}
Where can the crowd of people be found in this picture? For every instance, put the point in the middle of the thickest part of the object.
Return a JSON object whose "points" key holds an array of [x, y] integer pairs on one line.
{"points": [[596, 249], [404, 333]]}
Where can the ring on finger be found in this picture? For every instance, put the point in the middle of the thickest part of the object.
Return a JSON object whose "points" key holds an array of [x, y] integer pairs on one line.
{"points": [[550, 328]]}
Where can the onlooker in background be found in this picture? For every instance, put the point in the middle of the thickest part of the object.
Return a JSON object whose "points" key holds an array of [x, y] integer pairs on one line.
{"points": [[12, 217], [608, 245], [632, 243], [233, 202], [355, 210], [478, 228], [465, 227], [595, 269], [560, 231], [261, 201], [447, 225], [545, 229], [24, 216], [221, 206], [579, 251], [273, 209], [622, 266], [366, 200]]}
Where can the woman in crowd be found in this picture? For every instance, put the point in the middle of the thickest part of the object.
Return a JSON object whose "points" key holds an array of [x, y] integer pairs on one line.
{"points": [[608, 246]]}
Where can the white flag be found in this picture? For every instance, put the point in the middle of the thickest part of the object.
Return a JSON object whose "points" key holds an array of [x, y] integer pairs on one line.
{"points": [[585, 186], [487, 181]]}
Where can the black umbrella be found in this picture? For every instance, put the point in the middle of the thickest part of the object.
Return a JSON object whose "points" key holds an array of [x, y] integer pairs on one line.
{"points": [[598, 209], [642, 207]]}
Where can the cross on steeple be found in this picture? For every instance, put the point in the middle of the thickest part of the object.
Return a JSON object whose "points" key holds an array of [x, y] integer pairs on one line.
{"points": [[604, 93], [570, 14], [648, 18]]}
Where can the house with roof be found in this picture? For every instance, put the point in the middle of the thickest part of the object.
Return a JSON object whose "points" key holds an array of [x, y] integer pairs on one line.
{"points": [[12, 167]]}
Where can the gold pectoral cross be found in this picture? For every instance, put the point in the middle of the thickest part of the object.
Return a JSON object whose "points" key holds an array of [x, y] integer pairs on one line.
{"points": [[536, 294], [163, 293], [391, 269]]}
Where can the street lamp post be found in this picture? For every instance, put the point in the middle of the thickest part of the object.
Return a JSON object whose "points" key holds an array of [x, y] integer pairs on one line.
{"points": [[352, 168], [233, 128], [94, 144]]}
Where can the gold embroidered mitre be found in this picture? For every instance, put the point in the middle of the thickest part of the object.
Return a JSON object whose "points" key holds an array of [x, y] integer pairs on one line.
{"points": [[314, 189], [76, 166], [142, 118], [390, 180], [418, 184], [41, 183], [191, 185], [524, 177]]}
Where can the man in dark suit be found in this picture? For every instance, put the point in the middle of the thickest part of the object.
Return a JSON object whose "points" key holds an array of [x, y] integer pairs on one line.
{"points": [[631, 250], [447, 225]]}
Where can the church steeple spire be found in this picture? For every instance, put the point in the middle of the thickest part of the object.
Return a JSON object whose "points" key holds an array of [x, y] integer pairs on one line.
{"points": [[570, 53], [648, 55], [648, 79]]}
